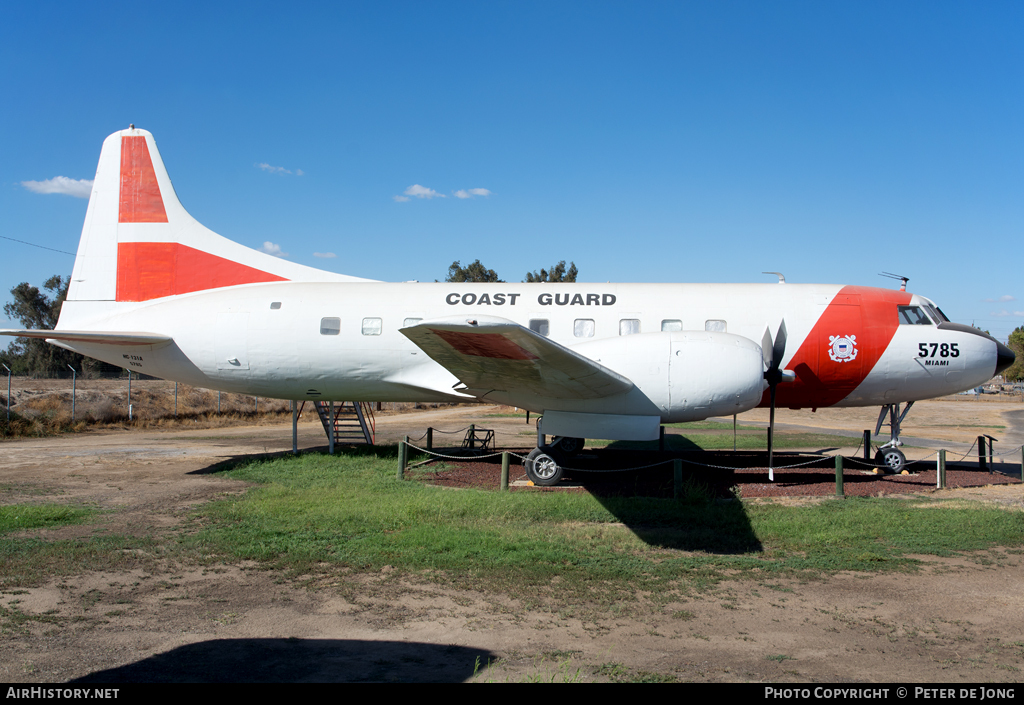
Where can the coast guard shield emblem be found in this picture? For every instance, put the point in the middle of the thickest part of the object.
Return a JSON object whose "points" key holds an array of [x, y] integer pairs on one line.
{"points": [[844, 348]]}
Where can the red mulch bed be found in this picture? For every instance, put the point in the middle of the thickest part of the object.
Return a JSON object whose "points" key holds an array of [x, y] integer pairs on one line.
{"points": [[600, 473]]}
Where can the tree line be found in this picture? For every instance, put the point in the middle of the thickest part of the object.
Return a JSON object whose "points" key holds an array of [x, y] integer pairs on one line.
{"points": [[476, 272]]}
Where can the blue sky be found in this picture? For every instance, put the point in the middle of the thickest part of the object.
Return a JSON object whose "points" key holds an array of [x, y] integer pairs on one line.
{"points": [[653, 142]]}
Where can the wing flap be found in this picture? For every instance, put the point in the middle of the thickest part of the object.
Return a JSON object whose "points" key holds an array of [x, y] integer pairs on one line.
{"points": [[488, 353]]}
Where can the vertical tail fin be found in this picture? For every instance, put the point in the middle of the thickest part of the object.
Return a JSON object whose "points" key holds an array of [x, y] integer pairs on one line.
{"points": [[139, 243]]}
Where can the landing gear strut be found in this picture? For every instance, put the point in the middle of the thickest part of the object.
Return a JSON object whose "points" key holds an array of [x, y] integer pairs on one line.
{"points": [[889, 455]]}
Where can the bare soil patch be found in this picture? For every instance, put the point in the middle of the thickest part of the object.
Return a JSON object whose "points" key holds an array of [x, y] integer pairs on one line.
{"points": [[957, 619]]}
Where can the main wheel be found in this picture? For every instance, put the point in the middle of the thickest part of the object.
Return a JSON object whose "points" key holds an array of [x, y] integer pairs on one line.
{"points": [[892, 458], [568, 445], [542, 468]]}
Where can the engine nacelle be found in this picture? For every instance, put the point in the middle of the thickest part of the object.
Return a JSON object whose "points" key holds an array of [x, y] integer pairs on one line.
{"points": [[687, 375]]}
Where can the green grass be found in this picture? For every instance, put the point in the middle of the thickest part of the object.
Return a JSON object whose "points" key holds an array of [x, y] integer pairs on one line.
{"points": [[32, 559], [309, 513], [744, 441], [18, 517], [28, 562], [713, 425]]}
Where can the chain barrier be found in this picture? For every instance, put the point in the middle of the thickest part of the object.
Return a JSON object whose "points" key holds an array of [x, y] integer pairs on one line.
{"points": [[1008, 452], [437, 430], [812, 460], [968, 451]]}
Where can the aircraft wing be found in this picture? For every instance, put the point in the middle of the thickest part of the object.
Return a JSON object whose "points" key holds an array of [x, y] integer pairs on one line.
{"points": [[488, 353], [84, 336]]}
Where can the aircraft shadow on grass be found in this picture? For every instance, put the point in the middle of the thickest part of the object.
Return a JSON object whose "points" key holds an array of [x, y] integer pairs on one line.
{"points": [[301, 660]]}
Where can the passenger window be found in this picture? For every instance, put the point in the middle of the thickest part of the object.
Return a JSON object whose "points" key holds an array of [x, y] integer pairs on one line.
{"points": [[583, 328], [330, 326], [670, 325], [410, 322], [275, 305], [372, 326], [913, 316], [715, 326], [629, 326], [539, 325]]}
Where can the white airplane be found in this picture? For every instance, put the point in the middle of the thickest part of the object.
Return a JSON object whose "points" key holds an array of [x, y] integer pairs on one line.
{"points": [[155, 291]]}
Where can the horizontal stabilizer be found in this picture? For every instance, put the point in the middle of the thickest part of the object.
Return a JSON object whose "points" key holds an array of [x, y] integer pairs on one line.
{"points": [[488, 353], [84, 336]]}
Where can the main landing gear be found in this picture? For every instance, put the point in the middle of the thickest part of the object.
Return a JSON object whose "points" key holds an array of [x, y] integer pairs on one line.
{"points": [[544, 465], [889, 455]]}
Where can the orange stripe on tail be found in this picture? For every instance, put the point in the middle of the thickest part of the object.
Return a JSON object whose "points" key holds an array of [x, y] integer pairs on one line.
{"points": [[151, 270], [140, 192]]}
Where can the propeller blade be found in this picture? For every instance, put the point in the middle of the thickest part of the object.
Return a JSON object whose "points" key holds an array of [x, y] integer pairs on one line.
{"points": [[779, 347], [771, 432], [773, 375], [766, 348]]}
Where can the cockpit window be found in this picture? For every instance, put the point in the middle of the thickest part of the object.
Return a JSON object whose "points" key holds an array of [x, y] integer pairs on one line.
{"points": [[913, 316], [936, 313]]}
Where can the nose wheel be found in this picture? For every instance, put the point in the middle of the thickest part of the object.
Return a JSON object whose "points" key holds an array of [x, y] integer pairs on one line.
{"points": [[892, 459], [889, 456]]}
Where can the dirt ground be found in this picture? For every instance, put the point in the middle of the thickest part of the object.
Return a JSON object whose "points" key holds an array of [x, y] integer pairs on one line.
{"points": [[957, 619]]}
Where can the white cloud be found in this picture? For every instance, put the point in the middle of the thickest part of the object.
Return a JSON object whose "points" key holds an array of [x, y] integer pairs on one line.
{"points": [[1001, 299], [80, 188], [469, 193], [279, 169], [422, 192], [418, 191], [325, 255], [1004, 312], [272, 249]]}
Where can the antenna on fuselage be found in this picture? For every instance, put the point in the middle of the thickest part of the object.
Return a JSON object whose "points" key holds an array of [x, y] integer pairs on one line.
{"points": [[903, 279], [782, 279]]}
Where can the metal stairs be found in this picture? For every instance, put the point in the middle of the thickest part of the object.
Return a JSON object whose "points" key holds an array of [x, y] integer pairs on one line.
{"points": [[354, 423]]}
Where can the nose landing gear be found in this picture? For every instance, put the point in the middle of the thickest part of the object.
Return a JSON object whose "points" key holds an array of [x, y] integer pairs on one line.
{"points": [[889, 455]]}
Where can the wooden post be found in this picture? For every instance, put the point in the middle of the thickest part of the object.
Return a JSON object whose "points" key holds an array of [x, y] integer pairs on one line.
{"points": [[504, 471], [403, 451], [330, 428], [295, 427], [940, 474], [74, 389], [8, 392], [867, 444], [430, 438], [839, 476], [981, 453], [677, 477]]}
